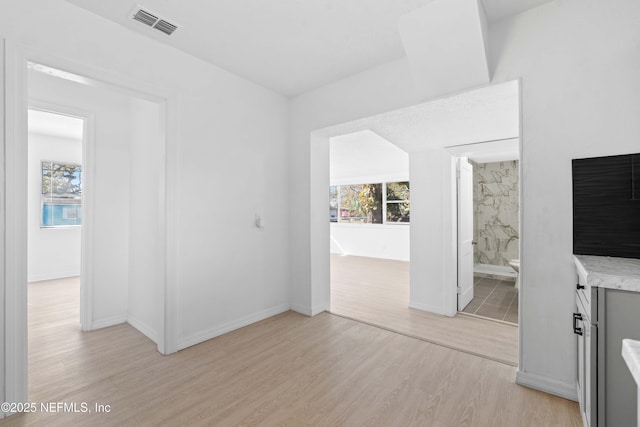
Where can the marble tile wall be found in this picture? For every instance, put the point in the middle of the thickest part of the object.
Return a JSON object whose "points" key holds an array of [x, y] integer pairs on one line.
{"points": [[495, 200]]}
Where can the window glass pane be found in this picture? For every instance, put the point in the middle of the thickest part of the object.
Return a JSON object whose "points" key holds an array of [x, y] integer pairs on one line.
{"points": [[62, 180], [61, 194], [361, 203], [333, 203], [61, 214], [398, 190], [398, 211], [398, 202]]}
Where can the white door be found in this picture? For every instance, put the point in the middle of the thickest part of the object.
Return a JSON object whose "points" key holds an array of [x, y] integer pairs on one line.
{"points": [[465, 233]]}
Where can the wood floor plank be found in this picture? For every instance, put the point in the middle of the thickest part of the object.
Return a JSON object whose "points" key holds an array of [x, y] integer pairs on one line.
{"points": [[288, 370], [376, 291]]}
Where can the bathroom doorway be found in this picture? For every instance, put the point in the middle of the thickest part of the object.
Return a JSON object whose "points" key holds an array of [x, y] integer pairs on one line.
{"points": [[495, 212]]}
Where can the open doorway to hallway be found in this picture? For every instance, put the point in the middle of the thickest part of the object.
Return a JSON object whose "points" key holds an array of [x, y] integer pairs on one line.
{"points": [[427, 132]]}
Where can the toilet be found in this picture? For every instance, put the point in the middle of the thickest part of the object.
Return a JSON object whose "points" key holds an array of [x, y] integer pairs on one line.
{"points": [[515, 264]]}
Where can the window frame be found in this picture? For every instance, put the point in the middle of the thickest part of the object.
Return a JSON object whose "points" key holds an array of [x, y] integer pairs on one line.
{"points": [[384, 203]]}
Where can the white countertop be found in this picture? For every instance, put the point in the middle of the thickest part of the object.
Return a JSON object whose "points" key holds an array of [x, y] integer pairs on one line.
{"points": [[610, 272], [631, 355]]}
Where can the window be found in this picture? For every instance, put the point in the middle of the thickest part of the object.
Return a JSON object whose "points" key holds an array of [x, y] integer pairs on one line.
{"points": [[61, 194], [361, 203], [398, 205], [333, 203], [370, 203]]}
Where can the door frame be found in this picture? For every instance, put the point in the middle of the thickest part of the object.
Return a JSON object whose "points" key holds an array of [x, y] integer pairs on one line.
{"points": [[457, 151], [15, 205]]}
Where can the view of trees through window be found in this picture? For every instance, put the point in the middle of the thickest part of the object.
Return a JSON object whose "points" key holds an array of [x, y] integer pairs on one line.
{"points": [[398, 204], [61, 194], [370, 203]]}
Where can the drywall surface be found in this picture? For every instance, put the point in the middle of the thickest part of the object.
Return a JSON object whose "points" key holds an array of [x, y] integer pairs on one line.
{"points": [[580, 98], [231, 159], [433, 231], [3, 326], [389, 241], [111, 190], [146, 254], [52, 252]]}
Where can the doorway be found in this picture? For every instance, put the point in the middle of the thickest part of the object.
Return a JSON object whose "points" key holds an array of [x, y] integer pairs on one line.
{"points": [[488, 200], [369, 215], [426, 132], [55, 187], [96, 221]]}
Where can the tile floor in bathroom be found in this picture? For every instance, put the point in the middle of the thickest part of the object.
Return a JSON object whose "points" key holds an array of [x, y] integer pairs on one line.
{"points": [[495, 299]]}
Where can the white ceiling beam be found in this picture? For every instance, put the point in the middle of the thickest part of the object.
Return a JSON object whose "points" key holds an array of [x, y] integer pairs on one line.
{"points": [[446, 43]]}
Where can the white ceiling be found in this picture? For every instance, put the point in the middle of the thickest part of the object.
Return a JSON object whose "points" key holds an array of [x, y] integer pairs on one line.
{"points": [[53, 124], [487, 114], [482, 125], [290, 46], [364, 154], [489, 152]]}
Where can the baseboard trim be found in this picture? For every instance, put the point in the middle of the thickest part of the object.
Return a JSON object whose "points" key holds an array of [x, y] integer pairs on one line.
{"points": [[108, 321], [317, 309], [320, 308], [301, 309], [547, 385], [498, 270], [429, 308], [208, 334], [143, 328], [54, 276]]}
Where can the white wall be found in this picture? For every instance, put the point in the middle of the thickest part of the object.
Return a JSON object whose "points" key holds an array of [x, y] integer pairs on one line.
{"points": [[231, 159], [111, 192], [145, 227], [3, 347], [52, 252], [389, 241], [433, 232], [580, 97]]}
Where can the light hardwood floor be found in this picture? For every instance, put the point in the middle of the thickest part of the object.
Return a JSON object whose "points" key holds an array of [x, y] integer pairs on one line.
{"points": [[287, 370], [376, 291]]}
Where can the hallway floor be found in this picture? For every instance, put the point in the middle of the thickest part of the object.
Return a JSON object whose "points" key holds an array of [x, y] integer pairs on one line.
{"points": [[376, 291]]}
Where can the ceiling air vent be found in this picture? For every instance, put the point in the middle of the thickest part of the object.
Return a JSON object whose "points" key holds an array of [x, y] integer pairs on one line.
{"points": [[153, 21], [145, 17], [165, 27]]}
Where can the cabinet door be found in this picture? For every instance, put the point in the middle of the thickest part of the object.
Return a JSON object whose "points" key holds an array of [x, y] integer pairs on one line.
{"points": [[621, 320], [591, 373], [581, 371], [586, 341], [581, 364]]}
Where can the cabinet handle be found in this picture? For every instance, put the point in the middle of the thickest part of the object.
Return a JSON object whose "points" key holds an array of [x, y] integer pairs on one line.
{"points": [[579, 286], [576, 329]]}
